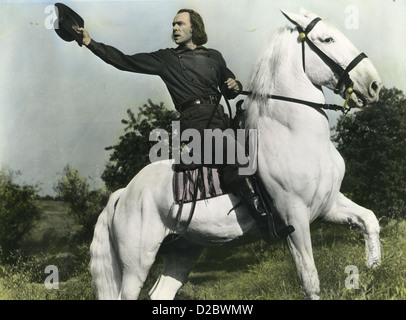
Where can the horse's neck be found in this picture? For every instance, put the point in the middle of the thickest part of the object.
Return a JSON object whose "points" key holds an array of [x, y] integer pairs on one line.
{"points": [[287, 79]]}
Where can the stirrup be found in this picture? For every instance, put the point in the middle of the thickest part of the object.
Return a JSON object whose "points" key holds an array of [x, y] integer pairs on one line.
{"points": [[270, 225], [285, 231], [273, 230]]}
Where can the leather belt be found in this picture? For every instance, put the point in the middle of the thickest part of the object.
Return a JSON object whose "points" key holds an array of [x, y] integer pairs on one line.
{"points": [[206, 99]]}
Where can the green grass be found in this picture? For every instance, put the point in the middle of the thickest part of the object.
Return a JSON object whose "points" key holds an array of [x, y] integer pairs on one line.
{"points": [[272, 275], [51, 241], [252, 272], [19, 287]]}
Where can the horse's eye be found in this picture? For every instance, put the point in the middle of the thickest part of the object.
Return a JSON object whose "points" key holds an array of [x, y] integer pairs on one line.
{"points": [[328, 40]]}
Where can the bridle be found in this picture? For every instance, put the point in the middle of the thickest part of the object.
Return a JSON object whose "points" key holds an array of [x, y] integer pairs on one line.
{"points": [[344, 85]]}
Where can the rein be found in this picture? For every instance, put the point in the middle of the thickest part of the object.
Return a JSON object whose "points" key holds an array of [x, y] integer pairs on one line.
{"points": [[344, 76], [315, 105]]}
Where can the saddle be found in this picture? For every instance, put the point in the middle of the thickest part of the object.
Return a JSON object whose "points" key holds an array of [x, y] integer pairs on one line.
{"points": [[194, 183], [199, 182]]}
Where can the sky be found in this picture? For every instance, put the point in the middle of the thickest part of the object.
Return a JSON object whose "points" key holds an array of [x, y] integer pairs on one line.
{"points": [[60, 104]]}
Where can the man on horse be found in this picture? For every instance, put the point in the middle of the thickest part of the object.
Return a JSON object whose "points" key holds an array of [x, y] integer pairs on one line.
{"points": [[194, 75]]}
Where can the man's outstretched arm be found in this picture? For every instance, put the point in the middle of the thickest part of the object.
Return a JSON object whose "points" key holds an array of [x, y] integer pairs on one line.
{"points": [[147, 63]]}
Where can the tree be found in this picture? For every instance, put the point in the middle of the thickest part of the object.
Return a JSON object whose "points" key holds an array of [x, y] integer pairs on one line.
{"points": [[84, 204], [131, 154], [373, 144], [17, 212]]}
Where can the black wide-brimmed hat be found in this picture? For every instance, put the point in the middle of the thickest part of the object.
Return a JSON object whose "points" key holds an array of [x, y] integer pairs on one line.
{"points": [[67, 23]]}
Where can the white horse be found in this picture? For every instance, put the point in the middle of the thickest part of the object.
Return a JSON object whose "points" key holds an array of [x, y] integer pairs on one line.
{"points": [[300, 167]]}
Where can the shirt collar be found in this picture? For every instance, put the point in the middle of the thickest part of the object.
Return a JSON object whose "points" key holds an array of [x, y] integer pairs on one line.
{"points": [[182, 49]]}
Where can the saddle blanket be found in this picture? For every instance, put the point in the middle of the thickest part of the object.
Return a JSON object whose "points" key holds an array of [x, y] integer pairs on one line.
{"points": [[205, 181]]}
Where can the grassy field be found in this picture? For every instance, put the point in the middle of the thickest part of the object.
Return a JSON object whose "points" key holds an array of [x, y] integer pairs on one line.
{"points": [[53, 231], [253, 272], [271, 275], [51, 241]]}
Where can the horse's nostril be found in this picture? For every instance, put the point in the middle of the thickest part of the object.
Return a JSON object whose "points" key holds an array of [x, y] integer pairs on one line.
{"points": [[374, 89], [374, 86]]}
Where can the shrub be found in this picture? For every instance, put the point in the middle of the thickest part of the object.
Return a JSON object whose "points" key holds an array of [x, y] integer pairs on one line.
{"points": [[17, 212]]}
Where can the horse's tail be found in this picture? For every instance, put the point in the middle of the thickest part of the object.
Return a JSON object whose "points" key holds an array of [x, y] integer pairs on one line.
{"points": [[104, 266]]}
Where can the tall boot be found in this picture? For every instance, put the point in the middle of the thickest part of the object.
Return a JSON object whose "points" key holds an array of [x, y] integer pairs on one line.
{"points": [[270, 225]]}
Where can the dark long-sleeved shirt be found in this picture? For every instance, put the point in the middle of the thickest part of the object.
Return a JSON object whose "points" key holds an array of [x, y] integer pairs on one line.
{"points": [[186, 73]]}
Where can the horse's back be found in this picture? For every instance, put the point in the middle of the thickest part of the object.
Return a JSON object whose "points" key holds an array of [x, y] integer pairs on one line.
{"points": [[152, 177]]}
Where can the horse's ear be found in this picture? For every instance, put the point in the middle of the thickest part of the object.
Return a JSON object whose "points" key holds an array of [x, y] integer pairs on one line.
{"points": [[308, 14], [297, 19]]}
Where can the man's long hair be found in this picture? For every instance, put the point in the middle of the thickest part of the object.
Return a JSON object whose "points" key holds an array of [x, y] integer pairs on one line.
{"points": [[199, 36]]}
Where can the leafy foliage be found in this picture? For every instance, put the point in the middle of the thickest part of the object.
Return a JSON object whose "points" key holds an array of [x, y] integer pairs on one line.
{"points": [[131, 154], [84, 204], [373, 144], [17, 212]]}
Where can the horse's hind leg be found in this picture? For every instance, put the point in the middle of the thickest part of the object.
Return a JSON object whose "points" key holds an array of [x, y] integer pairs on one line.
{"points": [[139, 232], [179, 261], [346, 211]]}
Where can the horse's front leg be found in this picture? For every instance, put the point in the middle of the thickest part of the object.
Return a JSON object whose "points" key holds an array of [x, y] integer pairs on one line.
{"points": [[346, 211], [300, 247]]}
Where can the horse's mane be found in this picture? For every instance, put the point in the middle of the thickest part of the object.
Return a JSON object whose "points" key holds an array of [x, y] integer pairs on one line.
{"points": [[273, 55], [264, 78]]}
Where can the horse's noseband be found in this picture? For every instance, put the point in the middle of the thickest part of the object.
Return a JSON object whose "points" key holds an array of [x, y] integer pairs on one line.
{"points": [[345, 84]]}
